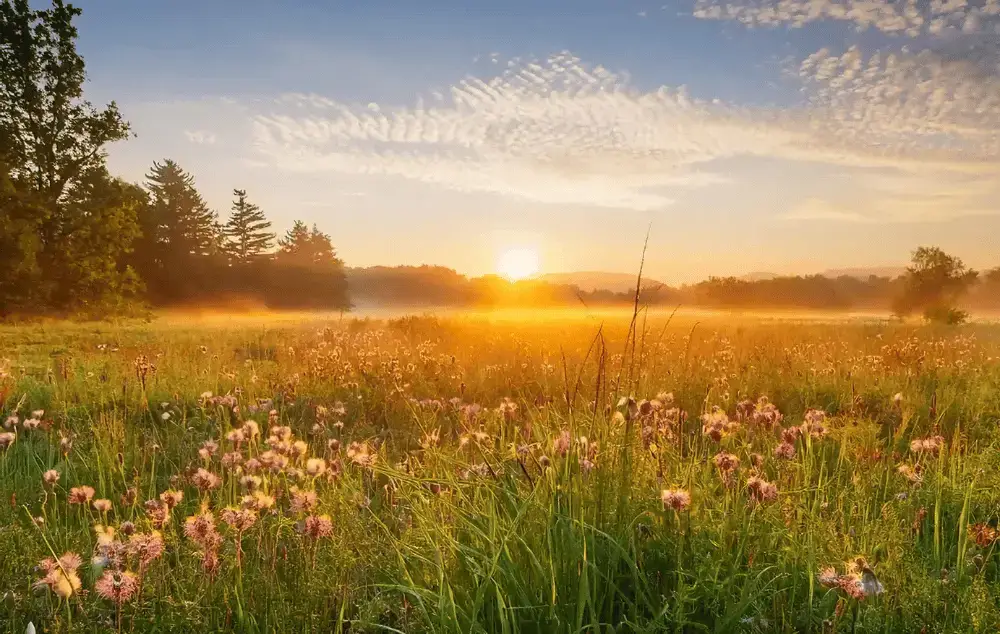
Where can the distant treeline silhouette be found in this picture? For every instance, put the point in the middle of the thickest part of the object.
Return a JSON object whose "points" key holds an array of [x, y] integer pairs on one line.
{"points": [[424, 286]]}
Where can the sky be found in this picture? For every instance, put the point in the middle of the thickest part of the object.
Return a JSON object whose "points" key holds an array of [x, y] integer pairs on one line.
{"points": [[787, 136]]}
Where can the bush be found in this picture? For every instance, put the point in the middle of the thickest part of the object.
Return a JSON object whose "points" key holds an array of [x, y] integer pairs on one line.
{"points": [[946, 315]]}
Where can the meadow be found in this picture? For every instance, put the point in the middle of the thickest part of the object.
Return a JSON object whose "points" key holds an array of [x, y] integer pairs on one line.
{"points": [[467, 474]]}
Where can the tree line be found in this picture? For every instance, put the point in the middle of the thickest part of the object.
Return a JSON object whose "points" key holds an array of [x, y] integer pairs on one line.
{"points": [[76, 240], [934, 284]]}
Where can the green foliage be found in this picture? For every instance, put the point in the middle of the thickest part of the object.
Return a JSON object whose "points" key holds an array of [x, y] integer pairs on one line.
{"points": [[306, 271], [65, 224], [246, 231], [933, 283]]}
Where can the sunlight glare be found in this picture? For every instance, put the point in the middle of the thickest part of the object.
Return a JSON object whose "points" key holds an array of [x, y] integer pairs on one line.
{"points": [[518, 264]]}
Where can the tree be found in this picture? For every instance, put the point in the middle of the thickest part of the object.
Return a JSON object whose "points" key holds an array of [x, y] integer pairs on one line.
{"points": [[52, 150], [307, 272], [934, 282], [247, 231], [181, 249]]}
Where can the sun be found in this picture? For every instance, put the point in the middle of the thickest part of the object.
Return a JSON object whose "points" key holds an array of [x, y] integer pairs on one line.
{"points": [[518, 264]]}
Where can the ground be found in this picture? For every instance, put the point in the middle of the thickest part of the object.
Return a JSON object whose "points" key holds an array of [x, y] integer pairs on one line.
{"points": [[530, 472]]}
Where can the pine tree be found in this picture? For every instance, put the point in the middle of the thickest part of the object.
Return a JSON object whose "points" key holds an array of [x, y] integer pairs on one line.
{"points": [[181, 244], [247, 232], [307, 271]]}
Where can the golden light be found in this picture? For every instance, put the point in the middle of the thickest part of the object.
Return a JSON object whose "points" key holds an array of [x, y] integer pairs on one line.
{"points": [[518, 264]]}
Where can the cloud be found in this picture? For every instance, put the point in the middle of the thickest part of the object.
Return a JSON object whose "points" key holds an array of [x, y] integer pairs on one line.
{"points": [[200, 137], [554, 132], [566, 133], [912, 105], [884, 211], [895, 17]]}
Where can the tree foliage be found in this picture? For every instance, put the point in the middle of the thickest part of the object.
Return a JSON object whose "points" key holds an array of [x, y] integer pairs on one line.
{"points": [[61, 206], [934, 283], [307, 272], [247, 231]]}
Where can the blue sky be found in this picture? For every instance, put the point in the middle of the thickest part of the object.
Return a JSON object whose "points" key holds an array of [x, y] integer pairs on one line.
{"points": [[757, 135]]}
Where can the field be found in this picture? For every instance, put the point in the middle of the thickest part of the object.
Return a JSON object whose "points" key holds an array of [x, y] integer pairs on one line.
{"points": [[465, 474]]}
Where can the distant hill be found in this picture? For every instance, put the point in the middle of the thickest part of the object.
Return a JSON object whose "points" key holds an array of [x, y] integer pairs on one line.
{"points": [[759, 276], [863, 273], [590, 281]]}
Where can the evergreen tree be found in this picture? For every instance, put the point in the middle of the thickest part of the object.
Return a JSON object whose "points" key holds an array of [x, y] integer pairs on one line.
{"points": [[247, 232], [181, 248], [307, 272], [51, 155]]}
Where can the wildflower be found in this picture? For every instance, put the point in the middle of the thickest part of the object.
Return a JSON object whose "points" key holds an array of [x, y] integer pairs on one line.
{"points": [[315, 467], [257, 500], [7, 439], [785, 451], [983, 534], [147, 547], [205, 480], [361, 454], [208, 449], [304, 501], [507, 408], [250, 430], [232, 459], [172, 497], [31, 423], [756, 460], [81, 495], [716, 424], [897, 399], [791, 434], [299, 448], [50, 477], [200, 529], [102, 506], [126, 528], [281, 433], [317, 526], [238, 519], [333, 445], [828, 577], [726, 462], [61, 576], [236, 436], [561, 444], [677, 499], [250, 482], [930, 445], [761, 490], [913, 474], [38, 413], [117, 587], [158, 512], [11, 421]]}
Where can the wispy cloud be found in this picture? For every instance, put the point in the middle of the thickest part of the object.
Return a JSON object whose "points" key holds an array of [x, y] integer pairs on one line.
{"points": [[200, 137], [563, 132], [896, 17]]}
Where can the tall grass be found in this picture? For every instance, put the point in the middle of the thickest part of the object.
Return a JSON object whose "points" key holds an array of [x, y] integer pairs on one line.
{"points": [[507, 475]]}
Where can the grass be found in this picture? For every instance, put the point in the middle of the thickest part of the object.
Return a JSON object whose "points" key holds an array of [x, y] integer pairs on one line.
{"points": [[493, 476]]}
